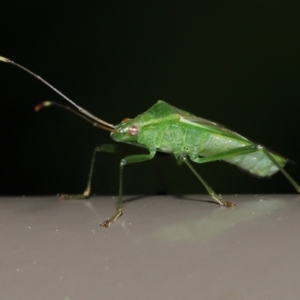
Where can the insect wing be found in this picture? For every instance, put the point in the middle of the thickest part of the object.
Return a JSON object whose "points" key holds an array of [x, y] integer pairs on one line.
{"points": [[212, 127]]}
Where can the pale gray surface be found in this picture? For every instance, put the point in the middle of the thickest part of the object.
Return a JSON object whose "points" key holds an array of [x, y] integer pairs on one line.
{"points": [[161, 248]]}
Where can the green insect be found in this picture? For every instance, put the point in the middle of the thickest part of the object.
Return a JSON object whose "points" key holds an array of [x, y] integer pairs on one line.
{"points": [[168, 129]]}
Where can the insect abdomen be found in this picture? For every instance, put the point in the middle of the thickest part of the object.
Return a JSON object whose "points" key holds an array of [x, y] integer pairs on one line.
{"points": [[256, 163], [177, 139]]}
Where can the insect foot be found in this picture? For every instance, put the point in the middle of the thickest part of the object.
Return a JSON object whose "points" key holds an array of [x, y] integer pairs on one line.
{"points": [[111, 220], [73, 197], [85, 195], [228, 204], [221, 201]]}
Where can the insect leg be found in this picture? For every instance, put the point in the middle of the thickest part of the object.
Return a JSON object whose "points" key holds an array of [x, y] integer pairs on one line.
{"points": [[110, 148], [247, 150], [126, 160], [283, 171], [210, 191], [226, 154], [223, 155]]}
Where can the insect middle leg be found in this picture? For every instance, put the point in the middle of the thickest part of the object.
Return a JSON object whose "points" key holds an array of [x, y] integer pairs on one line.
{"points": [[232, 153], [219, 156], [210, 191]]}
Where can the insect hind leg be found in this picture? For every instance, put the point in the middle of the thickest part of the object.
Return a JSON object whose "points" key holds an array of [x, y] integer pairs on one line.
{"points": [[281, 169], [210, 191], [246, 150]]}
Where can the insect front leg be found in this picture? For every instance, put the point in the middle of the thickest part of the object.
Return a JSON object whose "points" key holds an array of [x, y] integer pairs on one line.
{"points": [[126, 160], [109, 148], [210, 191]]}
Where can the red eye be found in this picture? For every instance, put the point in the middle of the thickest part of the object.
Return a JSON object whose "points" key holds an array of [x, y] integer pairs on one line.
{"points": [[125, 120], [133, 130]]}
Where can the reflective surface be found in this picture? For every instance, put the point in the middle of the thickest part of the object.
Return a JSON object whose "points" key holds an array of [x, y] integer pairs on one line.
{"points": [[164, 247]]}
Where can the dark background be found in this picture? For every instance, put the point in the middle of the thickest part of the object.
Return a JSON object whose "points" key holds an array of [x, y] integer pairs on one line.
{"points": [[234, 62]]}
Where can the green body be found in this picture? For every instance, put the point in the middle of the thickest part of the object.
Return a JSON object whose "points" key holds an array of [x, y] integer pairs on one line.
{"points": [[168, 129]]}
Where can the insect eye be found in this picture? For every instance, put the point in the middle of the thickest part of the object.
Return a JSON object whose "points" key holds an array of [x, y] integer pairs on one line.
{"points": [[125, 120], [133, 130]]}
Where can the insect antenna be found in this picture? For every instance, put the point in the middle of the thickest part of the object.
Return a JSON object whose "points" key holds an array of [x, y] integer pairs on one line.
{"points": [[68, 108], [104, 125]]}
